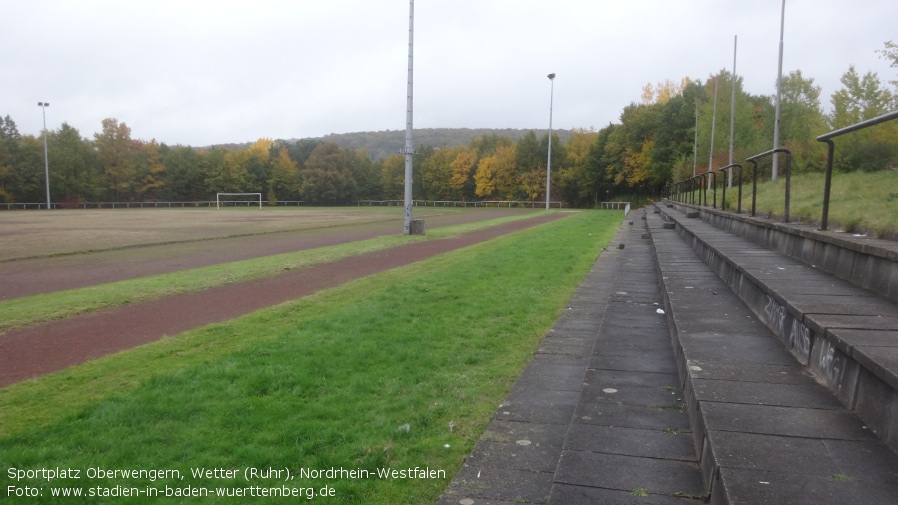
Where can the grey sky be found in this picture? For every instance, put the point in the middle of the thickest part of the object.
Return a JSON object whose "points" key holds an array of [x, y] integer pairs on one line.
{"points": [[198, 72]]}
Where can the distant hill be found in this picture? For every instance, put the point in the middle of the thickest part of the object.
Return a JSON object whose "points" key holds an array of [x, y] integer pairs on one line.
{"points": [[381, 144]]}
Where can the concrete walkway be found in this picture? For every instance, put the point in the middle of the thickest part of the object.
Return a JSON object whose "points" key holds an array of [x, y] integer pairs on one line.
{"points": [[597, 416], [658, 385]]}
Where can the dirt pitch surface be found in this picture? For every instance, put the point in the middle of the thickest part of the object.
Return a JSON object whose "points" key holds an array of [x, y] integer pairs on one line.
{"points": [[72, 249], [30, 352]]}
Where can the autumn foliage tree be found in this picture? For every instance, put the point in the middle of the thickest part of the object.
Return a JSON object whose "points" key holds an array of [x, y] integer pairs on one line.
{"points": [[116, 151]]}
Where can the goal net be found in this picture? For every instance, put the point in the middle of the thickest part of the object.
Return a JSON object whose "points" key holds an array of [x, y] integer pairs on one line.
{"points": [[236, 199]]}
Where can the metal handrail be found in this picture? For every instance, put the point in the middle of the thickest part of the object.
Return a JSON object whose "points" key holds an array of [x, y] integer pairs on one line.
{"points": [[723, 204], [680, 193], [831, 147], [754, 184], [701, 188]]}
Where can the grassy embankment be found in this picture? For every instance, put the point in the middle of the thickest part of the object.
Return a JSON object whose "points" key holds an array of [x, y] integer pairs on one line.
{"points": [[29, 310], [860, 202], [324, 381]]}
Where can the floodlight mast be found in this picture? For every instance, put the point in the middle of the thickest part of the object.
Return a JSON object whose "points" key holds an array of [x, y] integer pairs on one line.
{"points": [[43, 106], [779, 95], [713, 124], [549, 161], [409, 150], [732, 113]]}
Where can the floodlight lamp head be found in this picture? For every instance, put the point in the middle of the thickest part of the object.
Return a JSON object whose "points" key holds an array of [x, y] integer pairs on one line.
{"points": [[551, 76]]}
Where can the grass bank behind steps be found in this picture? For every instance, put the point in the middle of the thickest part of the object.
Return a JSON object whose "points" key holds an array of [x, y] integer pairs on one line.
{"points": [[860, 202], [321, 382]]}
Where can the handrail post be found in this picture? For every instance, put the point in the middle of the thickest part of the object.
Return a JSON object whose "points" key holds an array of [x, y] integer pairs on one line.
{"points": [[788, 183], [723, 199], [754, 185], [702, 192], [827, 182], [739, 197], [754, 163], [713, 190], [692, 191]]}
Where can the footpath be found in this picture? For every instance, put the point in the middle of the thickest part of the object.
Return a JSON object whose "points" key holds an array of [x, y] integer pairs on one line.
{"points": [[660, 385]]}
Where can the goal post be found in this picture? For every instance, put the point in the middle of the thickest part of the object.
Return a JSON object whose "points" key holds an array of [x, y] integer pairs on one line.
{"points": [[219, 200]]}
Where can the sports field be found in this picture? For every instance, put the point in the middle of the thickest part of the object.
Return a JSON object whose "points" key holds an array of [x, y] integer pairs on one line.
{"points": [[396, 369], [37, 233]]}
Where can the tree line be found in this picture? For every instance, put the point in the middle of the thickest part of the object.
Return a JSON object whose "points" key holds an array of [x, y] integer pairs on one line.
{"points": [[663, 137]]}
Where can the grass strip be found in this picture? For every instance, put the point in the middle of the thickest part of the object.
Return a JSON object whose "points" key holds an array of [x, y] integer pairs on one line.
{"points": [[30, 310], [326, 381]]}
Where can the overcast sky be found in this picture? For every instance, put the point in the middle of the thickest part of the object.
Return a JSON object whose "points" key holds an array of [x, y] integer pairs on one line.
{"points": [[201, 72]]}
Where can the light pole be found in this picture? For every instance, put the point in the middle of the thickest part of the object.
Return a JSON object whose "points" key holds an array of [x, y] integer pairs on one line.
{"points": [[549, 161], [409, 151], [779, 94], [43, 106]]}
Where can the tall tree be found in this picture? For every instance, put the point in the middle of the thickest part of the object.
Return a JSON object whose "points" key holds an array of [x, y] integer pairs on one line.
{"points": [[76, 171], [862, 98], [675, 135], [801, 121], [505, 173], [485, 178], [28, 181], [529, 154], [9, 145], [326, 178], [890, 53], [486, 145], [283, 178], [257, 165], [116, 151], [301, 150], [227, 171], [461, 182], [436, 174], [753, 122], [150, 171], [573, 178], [392, 177], [664, 91], [185, 173], [365, 173]]}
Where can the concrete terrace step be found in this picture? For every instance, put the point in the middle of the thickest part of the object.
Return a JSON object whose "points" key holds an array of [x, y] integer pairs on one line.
{"points": [[766, 430], [846, 334], [622, 404]]}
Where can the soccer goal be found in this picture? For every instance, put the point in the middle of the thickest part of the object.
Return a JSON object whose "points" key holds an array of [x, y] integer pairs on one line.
{"points": [[230, 199]]}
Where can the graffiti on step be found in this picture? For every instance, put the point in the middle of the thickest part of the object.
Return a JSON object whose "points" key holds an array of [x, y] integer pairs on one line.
{"points": [[799, 336], [776, 315], [831, 362]]}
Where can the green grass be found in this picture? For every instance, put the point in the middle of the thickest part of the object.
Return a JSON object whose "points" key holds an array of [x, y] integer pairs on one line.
{"points": [[29, 310], [860, 202], [321, 382]]}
